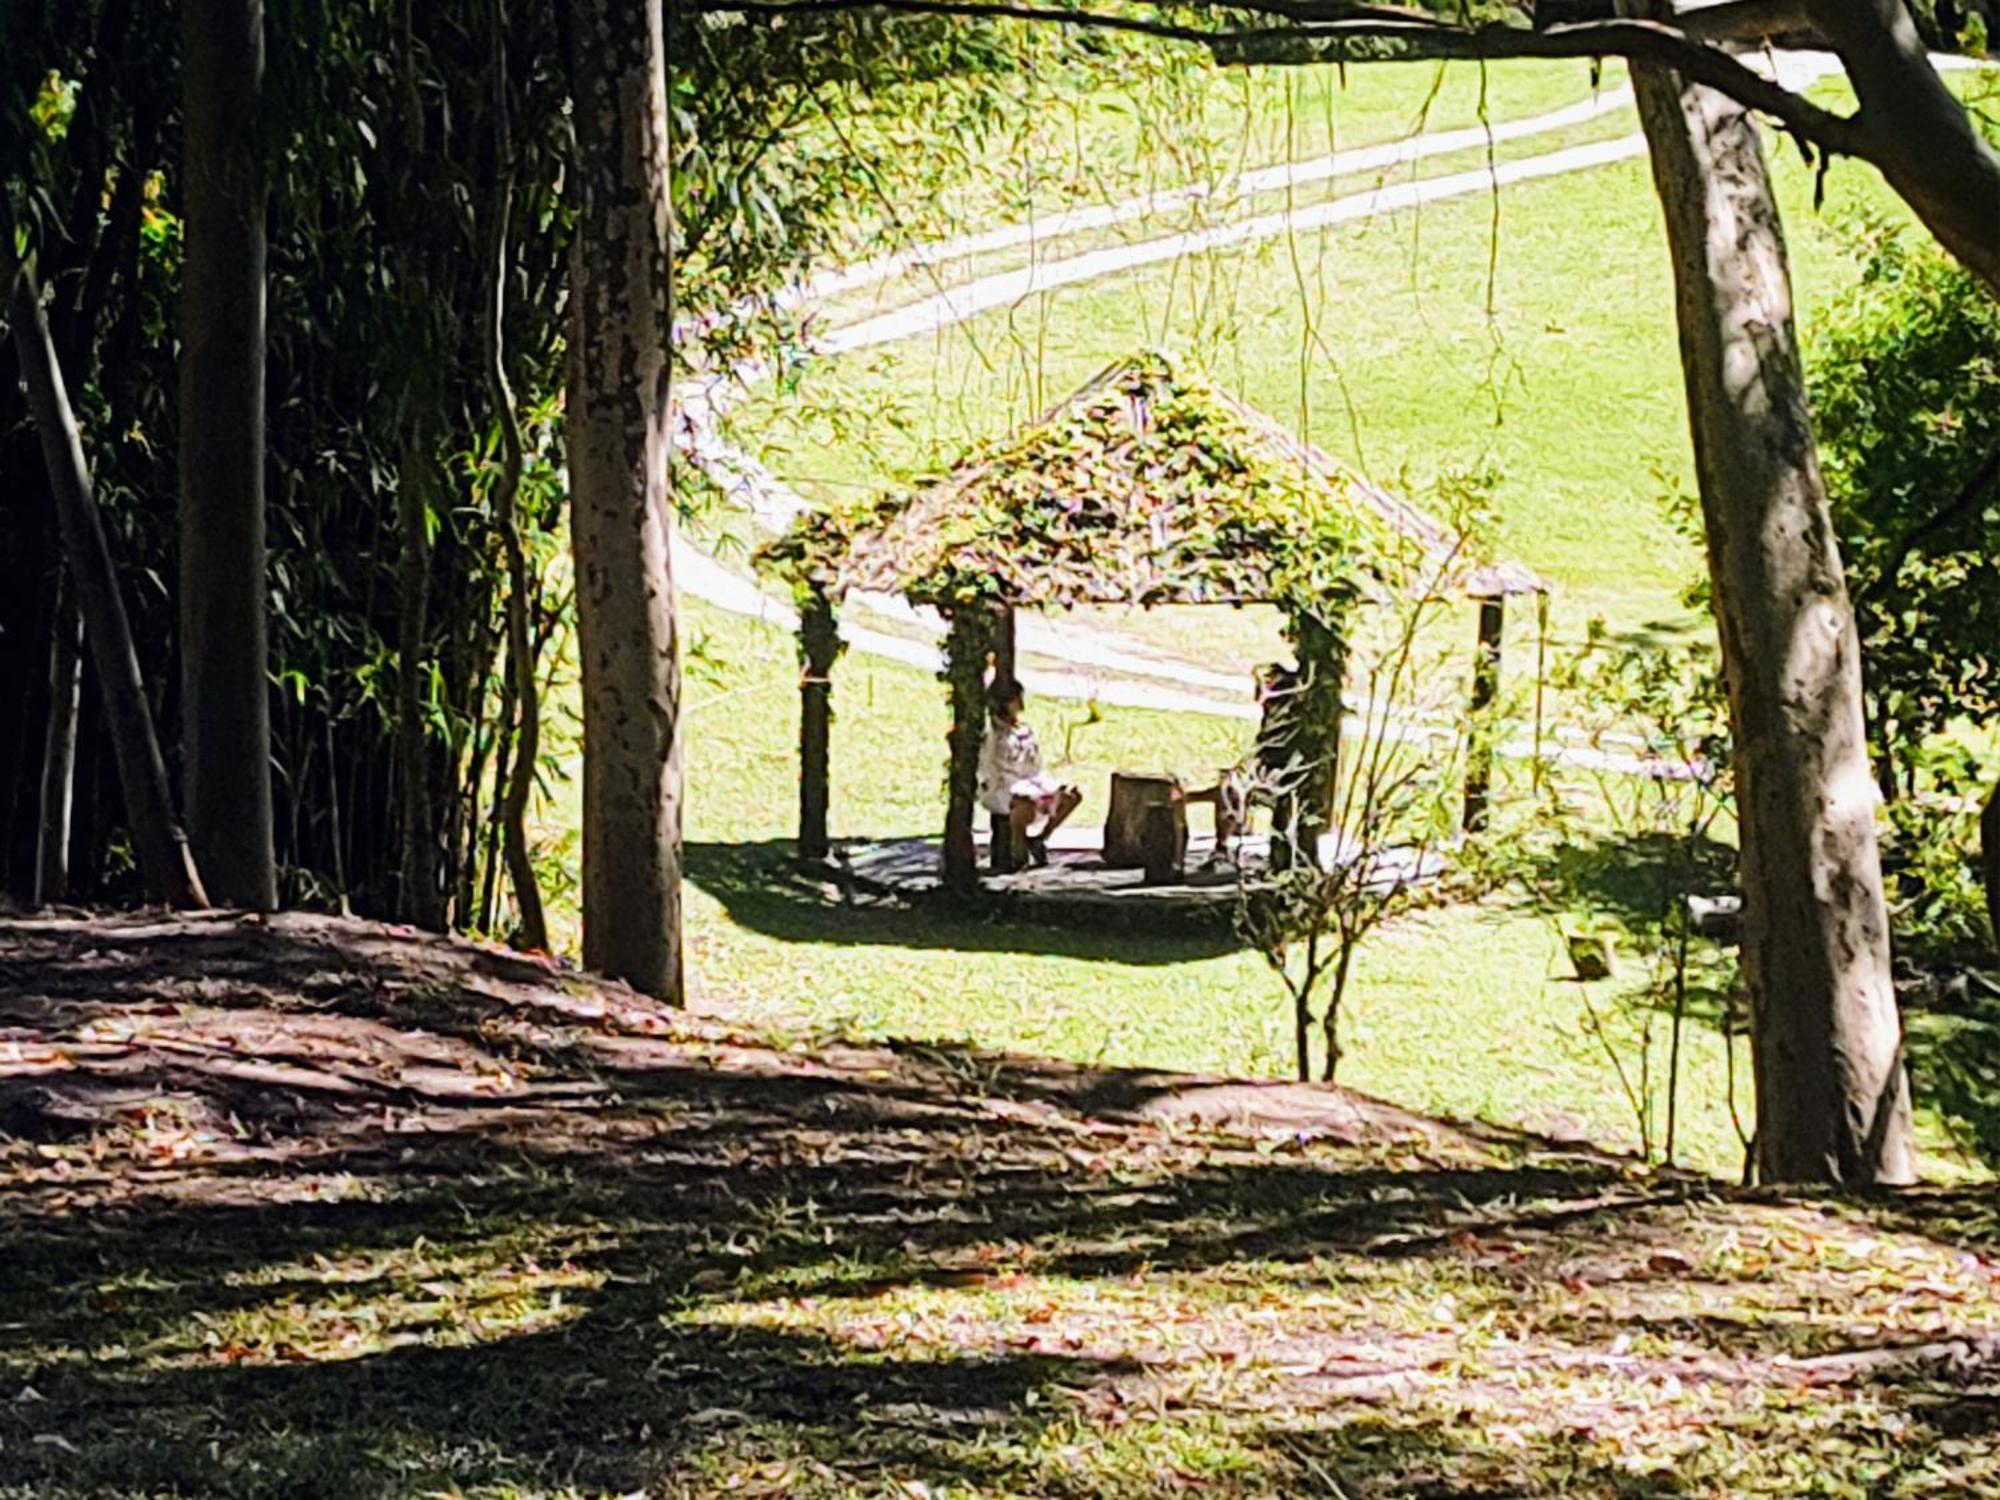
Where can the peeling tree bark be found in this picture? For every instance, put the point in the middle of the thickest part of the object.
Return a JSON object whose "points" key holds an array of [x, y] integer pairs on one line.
{"points": [[225, 690], [620, 508], [1832, 1098]]}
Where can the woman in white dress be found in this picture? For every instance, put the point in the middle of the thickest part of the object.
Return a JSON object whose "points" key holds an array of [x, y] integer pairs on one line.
{"points": [[1012, 782]]}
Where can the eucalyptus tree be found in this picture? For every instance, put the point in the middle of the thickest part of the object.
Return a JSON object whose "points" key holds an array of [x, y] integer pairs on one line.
{"points": [[1832, 1097]]}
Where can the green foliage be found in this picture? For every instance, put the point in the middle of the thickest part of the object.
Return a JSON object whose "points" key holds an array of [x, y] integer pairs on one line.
{"points": [[1930, 859], [1367, 810], [1626, 835], [380, 158], [828, 137], [1906, 387], [1150, 486]]}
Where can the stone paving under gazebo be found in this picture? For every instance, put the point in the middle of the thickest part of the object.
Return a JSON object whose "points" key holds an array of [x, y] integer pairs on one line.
{"points": [[1077, 888], [1149, 486]]}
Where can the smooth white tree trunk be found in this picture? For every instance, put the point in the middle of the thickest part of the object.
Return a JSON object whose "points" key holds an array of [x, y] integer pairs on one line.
{"points": [[1832, 1097]]}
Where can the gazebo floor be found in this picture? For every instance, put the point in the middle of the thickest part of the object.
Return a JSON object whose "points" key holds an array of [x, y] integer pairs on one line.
{"points": [[1076, 886]]}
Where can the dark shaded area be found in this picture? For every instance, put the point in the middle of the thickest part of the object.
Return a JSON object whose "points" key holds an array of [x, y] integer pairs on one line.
{"points": [[763, 887], [349, 1287], [1952, 1039], [1628, 878]]}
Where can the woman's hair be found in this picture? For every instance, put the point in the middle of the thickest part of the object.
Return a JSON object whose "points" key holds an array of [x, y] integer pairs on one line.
{"points": [[1001, 695]]}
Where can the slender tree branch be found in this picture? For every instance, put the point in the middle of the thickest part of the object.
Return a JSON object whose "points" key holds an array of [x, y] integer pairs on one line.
{"points": [[1965, 503], [1323, 25]]}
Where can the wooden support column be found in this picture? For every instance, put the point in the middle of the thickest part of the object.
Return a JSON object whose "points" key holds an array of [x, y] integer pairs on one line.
{"points": [[965, 673], [1485, 688], [1003, 643], [819, 646]]}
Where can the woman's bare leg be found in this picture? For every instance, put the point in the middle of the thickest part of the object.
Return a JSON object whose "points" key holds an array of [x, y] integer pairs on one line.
{"points": [[1020, 817]]}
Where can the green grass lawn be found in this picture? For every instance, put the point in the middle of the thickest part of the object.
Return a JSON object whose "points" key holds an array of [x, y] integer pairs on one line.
{"points": [[1161, 117], [1465, 1012], [1532, 331], [1231, 201]]}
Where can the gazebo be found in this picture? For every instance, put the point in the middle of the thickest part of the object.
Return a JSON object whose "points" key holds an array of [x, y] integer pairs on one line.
{"points": [[1149, 486]]}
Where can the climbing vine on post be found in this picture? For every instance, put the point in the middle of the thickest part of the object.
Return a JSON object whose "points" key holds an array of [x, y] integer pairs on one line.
{"points": [[1387, 791], [964, 672], [819, 648]]}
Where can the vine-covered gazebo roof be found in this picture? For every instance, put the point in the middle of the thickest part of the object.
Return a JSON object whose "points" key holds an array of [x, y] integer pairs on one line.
{"points": [[1150, 485]]}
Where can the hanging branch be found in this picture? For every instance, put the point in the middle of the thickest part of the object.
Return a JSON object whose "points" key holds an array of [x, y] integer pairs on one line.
{"points": [[1910, 126], [532, 929]]}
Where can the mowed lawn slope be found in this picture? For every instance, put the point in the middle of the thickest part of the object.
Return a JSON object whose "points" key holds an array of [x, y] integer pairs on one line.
{"points": [[1530, 330], [1467, 1012]]}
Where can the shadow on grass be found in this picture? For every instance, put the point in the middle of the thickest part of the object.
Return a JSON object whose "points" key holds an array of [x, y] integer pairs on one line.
{"points": [[1631, 880], [1951, 1030], [762, 888], [311, 1209], [1953, 1045]]}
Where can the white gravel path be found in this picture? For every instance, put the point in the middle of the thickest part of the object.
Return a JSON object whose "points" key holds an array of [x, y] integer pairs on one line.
{"points": [[1101, 664]]}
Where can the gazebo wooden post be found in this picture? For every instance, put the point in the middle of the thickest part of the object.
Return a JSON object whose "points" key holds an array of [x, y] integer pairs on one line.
{"points": [[819, 646], [965, 672], [1485, 688], [1003, 642]]}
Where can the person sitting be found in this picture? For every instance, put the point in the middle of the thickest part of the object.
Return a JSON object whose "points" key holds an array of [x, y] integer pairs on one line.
{"points": [[1012, 783], [1259, 779]]}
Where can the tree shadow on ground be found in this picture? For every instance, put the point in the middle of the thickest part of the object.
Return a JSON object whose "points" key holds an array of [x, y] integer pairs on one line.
{"points": [[1629, 879], [762, 888], [314, 1208], [1951, 1029], [1953, 1045]]}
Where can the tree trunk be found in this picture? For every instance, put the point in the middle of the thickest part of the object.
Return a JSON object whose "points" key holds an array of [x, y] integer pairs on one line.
{"points": [[1832, 1098], [166, 866], [620, 507], [225, 697], [532, 930], [59, 750]]}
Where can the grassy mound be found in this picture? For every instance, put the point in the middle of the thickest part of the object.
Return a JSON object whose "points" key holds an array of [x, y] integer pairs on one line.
{"points": [[314, 1207]]}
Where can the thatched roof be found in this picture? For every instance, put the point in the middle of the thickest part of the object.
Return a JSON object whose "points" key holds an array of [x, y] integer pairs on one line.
{"points": [[1150, 485]]}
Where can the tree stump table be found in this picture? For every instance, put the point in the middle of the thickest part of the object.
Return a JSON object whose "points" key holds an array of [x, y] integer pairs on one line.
{"points": [[1147, 826]]}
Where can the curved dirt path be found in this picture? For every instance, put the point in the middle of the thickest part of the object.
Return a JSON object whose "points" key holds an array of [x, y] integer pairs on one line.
{"points": [[1096, 663]]}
